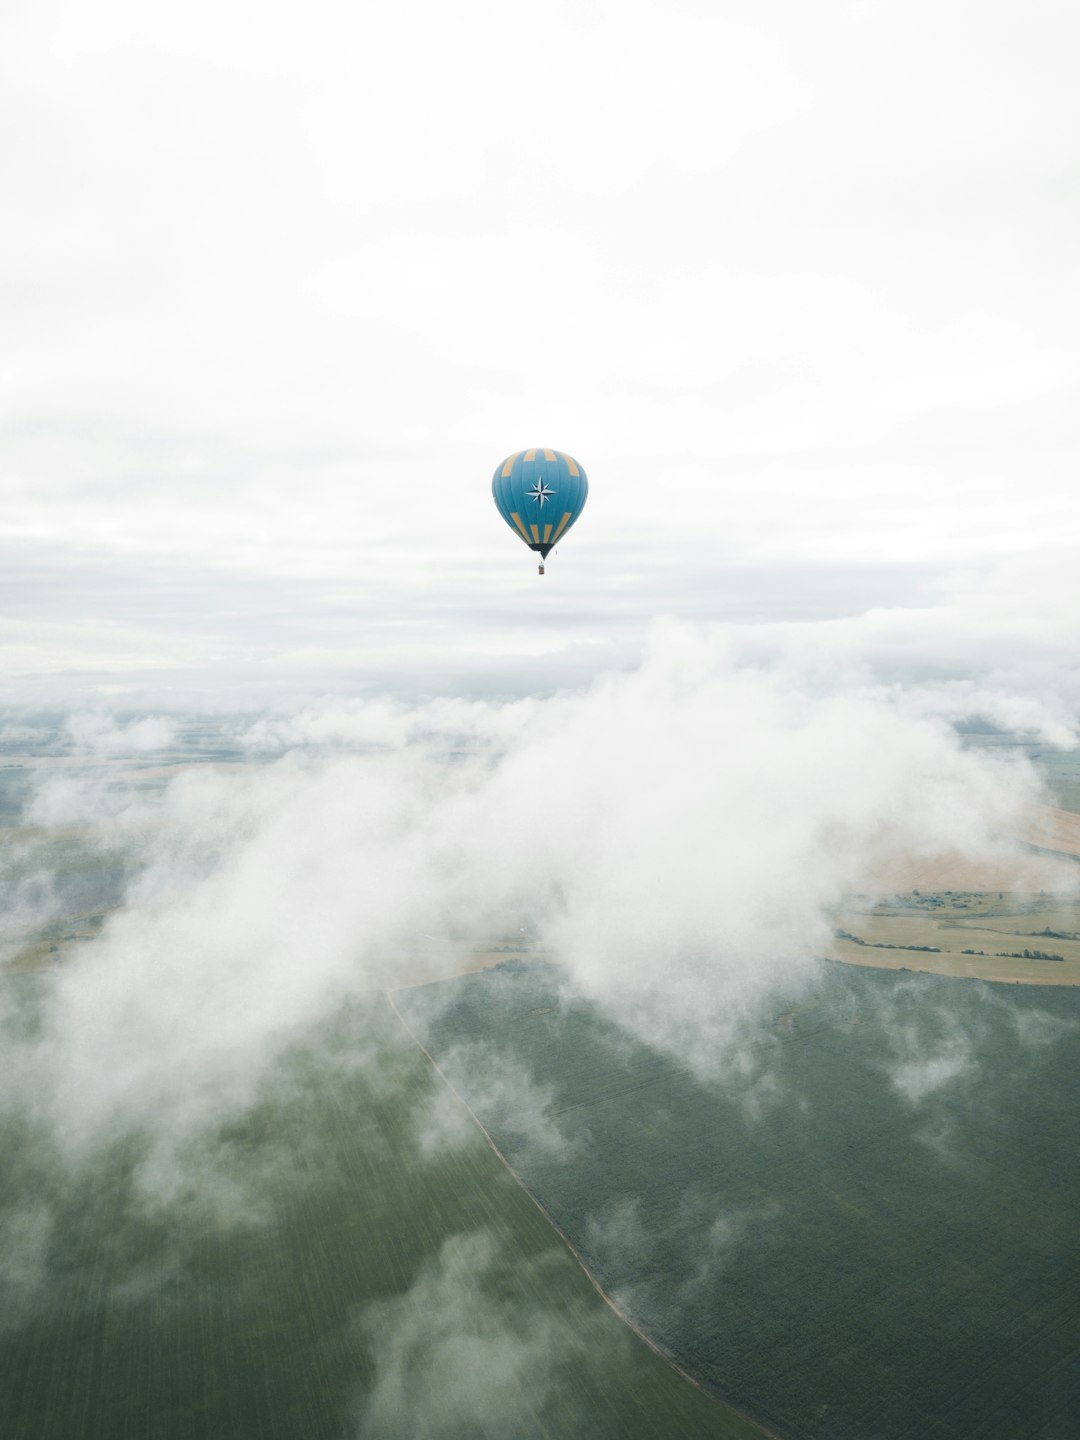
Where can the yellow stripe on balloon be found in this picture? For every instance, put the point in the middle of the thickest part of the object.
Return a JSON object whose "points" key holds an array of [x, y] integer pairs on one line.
{"points": [[549, 454], [536, 534], [562, 526], [516, 518], [530, 454], [547, 533], [508, 466], [571, 465]]}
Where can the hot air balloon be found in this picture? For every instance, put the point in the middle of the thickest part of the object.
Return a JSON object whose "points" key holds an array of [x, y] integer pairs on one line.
{"points": [[540, 493]]}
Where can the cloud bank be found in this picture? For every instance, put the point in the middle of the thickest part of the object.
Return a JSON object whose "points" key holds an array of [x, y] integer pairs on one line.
{"points": [[675, 837]]}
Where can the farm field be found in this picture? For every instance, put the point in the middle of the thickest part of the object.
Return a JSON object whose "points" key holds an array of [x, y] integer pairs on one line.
{"points": [[965, 933], [314, 1269], [886, 1244]]}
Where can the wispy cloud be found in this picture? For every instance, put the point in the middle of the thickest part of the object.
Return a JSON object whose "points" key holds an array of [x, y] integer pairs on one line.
{"points": [[504, 1095], [452, 1356]]}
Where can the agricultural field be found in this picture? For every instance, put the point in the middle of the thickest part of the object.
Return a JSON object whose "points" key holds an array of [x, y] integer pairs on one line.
{"points": [[995, 935], [959, 918], [885, 1244], [348, 1258]]}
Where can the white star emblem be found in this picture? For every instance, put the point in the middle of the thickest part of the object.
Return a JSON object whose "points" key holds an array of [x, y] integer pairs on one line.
{"points": [[540, 492]]}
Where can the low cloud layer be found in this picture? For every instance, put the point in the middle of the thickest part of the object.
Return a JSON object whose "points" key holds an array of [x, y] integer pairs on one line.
{"points": [[674, 837]]}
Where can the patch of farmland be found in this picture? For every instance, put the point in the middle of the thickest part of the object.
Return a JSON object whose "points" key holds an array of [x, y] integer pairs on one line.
{"points": [[316, 1268], [1033, 939], [885, 1244]]}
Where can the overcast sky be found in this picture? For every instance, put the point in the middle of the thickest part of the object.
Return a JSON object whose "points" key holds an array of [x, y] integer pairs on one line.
{"points": [[281, 285]]}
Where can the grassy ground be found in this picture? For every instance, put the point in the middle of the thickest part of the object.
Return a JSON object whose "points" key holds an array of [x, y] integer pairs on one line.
{"points": [[311, 1271], [884, 1245]]}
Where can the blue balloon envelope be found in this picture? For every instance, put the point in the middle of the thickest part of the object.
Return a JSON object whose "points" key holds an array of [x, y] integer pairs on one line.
{"points": [[540, 494]]}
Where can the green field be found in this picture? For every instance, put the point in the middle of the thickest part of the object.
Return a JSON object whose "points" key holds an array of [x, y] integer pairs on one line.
{"points": [[886, 1245], [312, 1271]]}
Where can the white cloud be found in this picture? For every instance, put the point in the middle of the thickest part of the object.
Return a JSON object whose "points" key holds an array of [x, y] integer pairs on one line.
{"points": [[677, 834], [925, 1072], [101, 734], [454, 1357], [504, 1096]]}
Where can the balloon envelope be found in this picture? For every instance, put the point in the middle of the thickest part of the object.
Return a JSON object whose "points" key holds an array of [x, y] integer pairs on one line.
{"points": [[540, 494]]}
